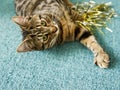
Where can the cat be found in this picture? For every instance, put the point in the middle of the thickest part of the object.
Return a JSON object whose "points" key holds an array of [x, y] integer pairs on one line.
{"points": [[45, 23]]}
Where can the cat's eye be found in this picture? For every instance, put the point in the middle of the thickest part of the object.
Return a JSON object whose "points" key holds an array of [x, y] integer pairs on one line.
{"points": [[45, 38], [43, 23]]}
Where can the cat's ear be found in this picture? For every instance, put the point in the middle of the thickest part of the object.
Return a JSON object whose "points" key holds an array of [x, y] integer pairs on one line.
{"points": [[19, 20], [24, 47]]}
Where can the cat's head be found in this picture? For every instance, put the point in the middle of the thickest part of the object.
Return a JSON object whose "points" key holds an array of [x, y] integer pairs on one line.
{"points": [[38, 32]]}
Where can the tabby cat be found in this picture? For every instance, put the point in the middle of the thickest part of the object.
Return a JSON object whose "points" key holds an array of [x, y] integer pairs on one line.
{"points": [[45, 23]]}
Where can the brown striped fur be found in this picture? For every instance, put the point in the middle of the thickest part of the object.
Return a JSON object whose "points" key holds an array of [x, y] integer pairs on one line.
{"points": [[45, 23]]}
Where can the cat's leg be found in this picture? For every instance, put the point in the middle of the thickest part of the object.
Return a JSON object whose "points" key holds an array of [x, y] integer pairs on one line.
{"points": [[101, 58]]}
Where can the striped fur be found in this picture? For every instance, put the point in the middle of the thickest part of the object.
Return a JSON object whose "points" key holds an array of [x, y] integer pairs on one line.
{"points": [[45, 23]]}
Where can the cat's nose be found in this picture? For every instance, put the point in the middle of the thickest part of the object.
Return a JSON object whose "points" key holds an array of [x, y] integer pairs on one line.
{"points": [[53, 29]]}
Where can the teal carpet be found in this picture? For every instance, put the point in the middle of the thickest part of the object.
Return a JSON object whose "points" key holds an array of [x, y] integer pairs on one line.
{"points": [[66, 67]]}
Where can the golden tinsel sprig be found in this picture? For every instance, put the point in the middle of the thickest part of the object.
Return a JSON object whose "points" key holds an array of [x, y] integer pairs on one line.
{"points": [[94, 16]]}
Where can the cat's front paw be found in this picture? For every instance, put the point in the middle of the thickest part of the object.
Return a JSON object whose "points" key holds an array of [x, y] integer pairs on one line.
{"points": [[102, 60]]}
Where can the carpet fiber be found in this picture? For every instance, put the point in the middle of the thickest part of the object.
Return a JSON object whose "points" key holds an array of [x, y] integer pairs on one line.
{"points": [[65, 67]]}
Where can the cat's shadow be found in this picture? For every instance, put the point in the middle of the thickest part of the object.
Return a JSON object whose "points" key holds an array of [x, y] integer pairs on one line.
{"points": [[66, 48]]}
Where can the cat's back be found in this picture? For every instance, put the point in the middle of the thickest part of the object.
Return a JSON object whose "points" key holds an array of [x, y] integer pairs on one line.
{"points": [[28, 7]]}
